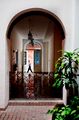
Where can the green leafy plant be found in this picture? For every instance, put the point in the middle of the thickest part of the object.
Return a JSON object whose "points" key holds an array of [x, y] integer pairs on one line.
{"points": [[74, 101], [68, 112], [65, 75], [66, 69]]}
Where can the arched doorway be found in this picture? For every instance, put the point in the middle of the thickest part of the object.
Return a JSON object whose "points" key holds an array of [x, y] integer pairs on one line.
{"points": [[32, 54], [48, 30]]}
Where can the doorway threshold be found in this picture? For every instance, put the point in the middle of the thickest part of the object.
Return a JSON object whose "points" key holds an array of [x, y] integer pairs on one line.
{"points": [[41, 102]]}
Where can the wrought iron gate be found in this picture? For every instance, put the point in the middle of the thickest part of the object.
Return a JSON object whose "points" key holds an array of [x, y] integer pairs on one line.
{"points": [[32, 85]]}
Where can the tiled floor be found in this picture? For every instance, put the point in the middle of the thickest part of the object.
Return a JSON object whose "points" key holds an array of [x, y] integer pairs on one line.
{"points": [[25, 113], [28, 110]]}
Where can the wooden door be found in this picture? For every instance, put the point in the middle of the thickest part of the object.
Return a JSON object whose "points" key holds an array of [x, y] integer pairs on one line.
{"points": [[37, 60]]}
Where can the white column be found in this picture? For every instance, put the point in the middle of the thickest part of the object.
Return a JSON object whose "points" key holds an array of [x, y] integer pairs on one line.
{"points": [[64, 95]]}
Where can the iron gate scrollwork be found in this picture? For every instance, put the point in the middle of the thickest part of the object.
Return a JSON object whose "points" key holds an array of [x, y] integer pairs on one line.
{"points": [[32, 85]]}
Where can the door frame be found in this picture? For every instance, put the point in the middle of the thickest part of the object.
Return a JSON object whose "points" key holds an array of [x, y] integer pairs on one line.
{"points": [[37, 41]]}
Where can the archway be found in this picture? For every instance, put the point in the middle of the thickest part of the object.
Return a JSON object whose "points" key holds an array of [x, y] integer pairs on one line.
{"points": [[33, 54], [47, 29]]}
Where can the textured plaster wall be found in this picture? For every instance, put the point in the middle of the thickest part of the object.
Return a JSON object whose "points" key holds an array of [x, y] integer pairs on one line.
{"points": [[64, 9]]}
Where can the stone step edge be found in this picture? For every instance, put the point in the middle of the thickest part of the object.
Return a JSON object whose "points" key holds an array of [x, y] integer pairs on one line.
{"points": [[34, 103]]}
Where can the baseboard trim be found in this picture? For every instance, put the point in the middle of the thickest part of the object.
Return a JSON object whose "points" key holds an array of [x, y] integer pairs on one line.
{"points": [[3, 109]]}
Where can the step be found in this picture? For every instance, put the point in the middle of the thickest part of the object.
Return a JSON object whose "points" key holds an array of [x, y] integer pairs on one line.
{"points": [[35, 102]]}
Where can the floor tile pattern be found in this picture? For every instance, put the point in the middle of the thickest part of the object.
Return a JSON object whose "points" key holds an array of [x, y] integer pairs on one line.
{"points": [[22, 112]]}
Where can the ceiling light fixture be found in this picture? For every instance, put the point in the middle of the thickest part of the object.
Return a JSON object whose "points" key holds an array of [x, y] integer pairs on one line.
{"points": [[30, 36]]}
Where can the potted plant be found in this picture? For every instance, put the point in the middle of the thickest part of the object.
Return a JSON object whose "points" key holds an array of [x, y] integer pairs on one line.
{"points": [[66, 69], [65, 75]]}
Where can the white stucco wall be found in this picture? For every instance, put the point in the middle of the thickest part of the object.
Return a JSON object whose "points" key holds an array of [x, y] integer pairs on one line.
{"points": [[2, 71], [48, 66], [16, 40], [64, 9], [76, 42]]}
